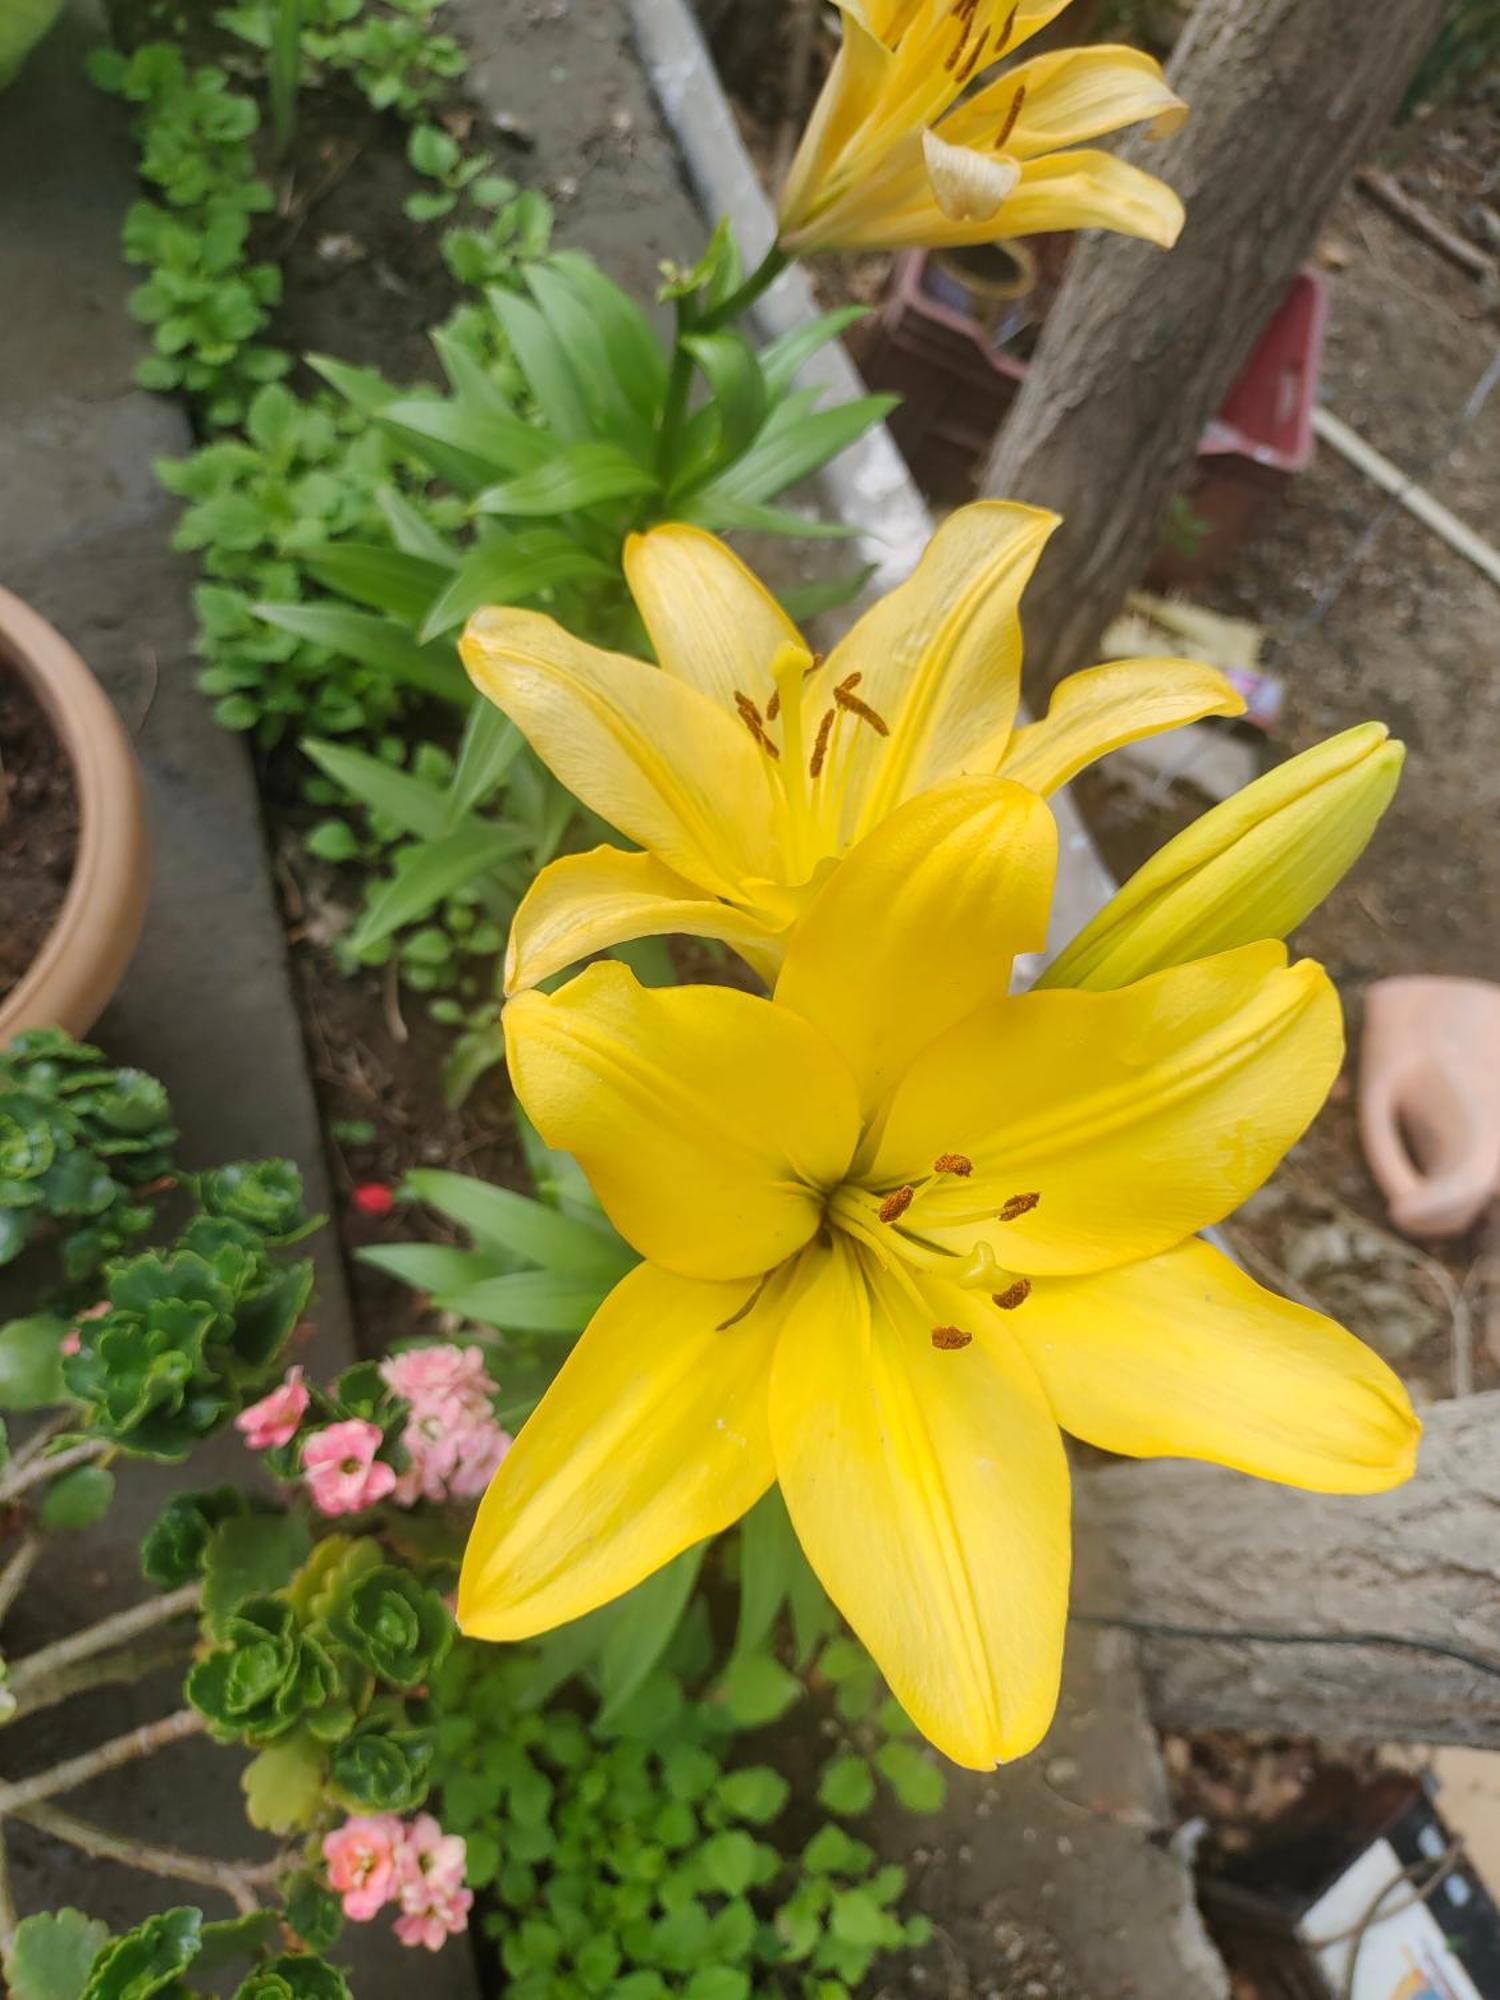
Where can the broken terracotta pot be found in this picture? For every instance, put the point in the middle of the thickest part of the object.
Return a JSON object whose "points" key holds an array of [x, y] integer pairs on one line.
{"points": [[1429, 1100]]}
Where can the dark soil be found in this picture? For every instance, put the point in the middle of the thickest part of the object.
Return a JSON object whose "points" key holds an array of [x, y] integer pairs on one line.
{"points": [[38, 828]]}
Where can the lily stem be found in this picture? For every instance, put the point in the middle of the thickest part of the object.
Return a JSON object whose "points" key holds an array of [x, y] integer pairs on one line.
{"points": [[679, 383], [739, 302], [238, 1880], [35, 1669], [75, 1771], [21, 1478]]}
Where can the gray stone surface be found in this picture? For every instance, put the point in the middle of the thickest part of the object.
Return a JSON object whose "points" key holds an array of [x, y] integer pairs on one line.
{"points": [[207, 1003]]}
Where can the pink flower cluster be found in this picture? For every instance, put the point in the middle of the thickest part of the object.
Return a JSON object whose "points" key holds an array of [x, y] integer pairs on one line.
{"points": [[375, 1859], [451, 1437]]}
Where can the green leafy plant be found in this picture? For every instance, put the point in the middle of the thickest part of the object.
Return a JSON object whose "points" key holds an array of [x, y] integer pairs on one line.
{"points": [[204, 301], [84, 1149], [629, 1850], [535, 1268]]}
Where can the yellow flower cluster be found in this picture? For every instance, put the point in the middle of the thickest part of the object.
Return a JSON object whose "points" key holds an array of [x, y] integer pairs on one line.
{"points": [[901, 1227]]}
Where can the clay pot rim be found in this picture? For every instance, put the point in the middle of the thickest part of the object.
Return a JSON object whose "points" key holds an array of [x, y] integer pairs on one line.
{"points": [[83, 956]]}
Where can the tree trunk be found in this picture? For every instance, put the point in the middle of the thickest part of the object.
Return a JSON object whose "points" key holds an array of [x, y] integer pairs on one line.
{"points": [[1142, 345], [1204, 1549]]}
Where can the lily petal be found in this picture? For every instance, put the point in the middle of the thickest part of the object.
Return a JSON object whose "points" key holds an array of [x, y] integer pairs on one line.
{"points": [[1085, 189], [712, 624], [712, 1166], [656, 759], [1067, 97], [585, 903], [1252, 867], [939, 661], [1135, 1118], [847, 99], [1183, 1356], [918, 925], [652, 1436], [930, 1492], [1094, 712], [967, 185]]}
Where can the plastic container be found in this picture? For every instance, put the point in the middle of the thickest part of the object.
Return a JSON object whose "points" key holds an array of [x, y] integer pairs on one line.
{"points": [[957, 358]]}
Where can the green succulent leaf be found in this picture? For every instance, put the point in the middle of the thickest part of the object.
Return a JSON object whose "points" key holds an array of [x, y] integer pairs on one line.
{"points": [[295, 1976], [31, 1376], [77, 1500], [148, 1960], [50, 1956]]}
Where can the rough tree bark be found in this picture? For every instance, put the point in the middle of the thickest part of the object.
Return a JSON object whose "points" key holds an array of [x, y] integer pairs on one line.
{"points": [[1200, 1548], [1141, 346]]}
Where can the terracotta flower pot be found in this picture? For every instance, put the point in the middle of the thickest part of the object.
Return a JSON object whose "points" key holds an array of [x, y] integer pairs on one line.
{"points": [[1429, 1099], [84, 955]]}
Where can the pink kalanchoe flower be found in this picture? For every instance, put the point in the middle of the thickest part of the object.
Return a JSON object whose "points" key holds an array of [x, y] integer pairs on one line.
{"points": [[71, 1341], [425, 1374], [363, 1860], [341, 1469], [274, 1419], [434, 1926], [435, 1904], [451, 1437]]}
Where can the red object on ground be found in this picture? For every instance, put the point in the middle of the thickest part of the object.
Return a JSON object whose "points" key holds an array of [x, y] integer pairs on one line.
{"points": [[374, 1198], [957, 379]]}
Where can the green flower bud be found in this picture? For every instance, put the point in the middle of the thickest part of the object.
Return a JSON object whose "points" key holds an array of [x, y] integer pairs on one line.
{"points": [[1251, 868]]}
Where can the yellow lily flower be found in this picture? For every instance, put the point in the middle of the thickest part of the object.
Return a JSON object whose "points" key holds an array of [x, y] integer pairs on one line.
{"points": [[896, 153], [744, 766], [899, 1235], [1252, 867]]}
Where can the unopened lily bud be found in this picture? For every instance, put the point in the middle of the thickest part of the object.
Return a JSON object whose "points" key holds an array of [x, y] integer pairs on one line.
{"points": [[1251, 868]]}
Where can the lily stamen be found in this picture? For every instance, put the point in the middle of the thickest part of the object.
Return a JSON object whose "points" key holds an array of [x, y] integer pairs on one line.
{"points": [[948, 1339], [973, 62], [895, 1205], [1013, 1295], [848, 700], [751, 717], [1019, 1204], [820, 745], [1011, 116], [953, 1163]]}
